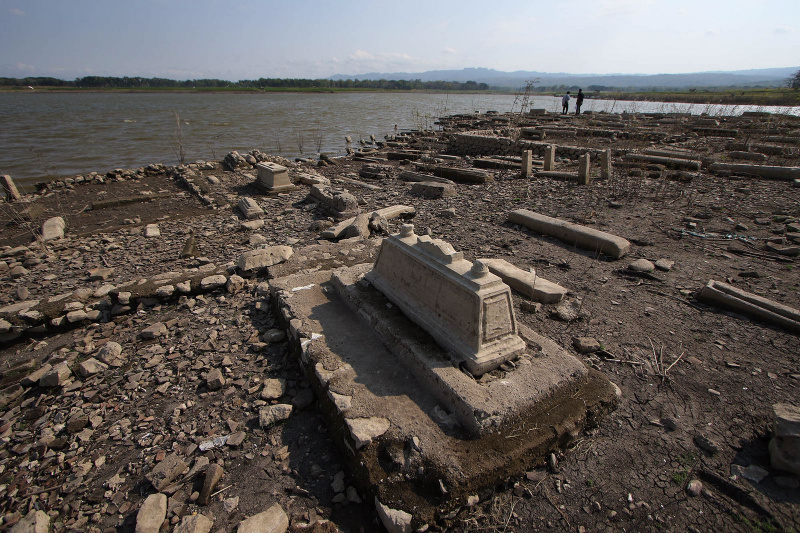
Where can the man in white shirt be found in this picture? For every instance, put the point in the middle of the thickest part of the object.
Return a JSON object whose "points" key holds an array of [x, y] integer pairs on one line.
{"points": [[565, 103]]}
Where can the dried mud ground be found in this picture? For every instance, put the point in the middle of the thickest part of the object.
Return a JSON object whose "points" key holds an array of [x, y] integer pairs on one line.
{"points": [[685, 369]]}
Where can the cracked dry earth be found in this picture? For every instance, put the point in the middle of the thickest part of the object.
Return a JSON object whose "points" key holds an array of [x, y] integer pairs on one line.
{"points": [[697, 382]]}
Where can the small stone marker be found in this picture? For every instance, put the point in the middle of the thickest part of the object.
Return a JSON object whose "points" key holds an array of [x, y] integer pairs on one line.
{"points": [[605, 164], [527, 163], [151, 230], [549, 157], [249, 208], [584, 176], [53, 228]]}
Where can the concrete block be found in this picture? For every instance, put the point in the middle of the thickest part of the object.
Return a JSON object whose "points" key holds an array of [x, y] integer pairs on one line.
{"points": [[722, 294], [432, 190], [53, 228], [526, 283], [549, 157], [527, 163], [462, 305], [249, 208], [572, 234], [273, 178]]}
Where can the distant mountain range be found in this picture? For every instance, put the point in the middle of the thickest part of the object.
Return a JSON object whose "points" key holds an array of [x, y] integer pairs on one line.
{"points": [[767, 77]]}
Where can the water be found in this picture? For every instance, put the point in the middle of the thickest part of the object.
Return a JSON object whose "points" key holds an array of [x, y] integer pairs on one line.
{"points": [[48, 135]]}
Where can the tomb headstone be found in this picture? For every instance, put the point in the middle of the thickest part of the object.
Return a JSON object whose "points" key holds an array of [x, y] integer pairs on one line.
{"points": [[549, 157], [249, 208], [273, 178], [527, 163], [466, 308], [584, 176]]}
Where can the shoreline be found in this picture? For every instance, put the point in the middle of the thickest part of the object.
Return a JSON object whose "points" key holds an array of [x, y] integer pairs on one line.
{"points": [[782, 97]]}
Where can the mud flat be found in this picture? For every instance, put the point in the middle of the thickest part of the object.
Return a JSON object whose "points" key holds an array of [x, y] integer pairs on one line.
{"points": [[171, 357]]}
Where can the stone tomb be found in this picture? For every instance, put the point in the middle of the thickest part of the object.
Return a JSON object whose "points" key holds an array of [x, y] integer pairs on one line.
{"points": [[462, 305], [273, 178], [415, 430]]}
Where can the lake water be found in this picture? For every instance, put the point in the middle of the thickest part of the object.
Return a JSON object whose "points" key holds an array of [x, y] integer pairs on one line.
{"points": [[49, 135]]}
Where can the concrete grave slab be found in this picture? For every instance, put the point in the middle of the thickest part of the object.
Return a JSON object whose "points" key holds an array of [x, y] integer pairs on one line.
{"points": [[425, 411]]}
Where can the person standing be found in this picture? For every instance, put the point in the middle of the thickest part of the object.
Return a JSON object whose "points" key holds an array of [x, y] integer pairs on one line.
{"points": [[565, 103], [579, 102]]}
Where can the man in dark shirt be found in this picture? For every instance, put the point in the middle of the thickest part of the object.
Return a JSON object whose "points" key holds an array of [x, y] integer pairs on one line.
{"points": [[578, 102]]}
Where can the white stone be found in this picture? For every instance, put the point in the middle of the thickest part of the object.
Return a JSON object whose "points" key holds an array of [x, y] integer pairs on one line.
{"points": [[152, 514], [151, 230], [273, 520], [365, 430]]}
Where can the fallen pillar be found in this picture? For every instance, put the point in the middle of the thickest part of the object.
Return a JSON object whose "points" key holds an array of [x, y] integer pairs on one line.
{"points": [[388, 213], [526, 283], [408, 175], [557, 175], [575, 234], [671, 162], [764, 171], [717, 293], [10, 188], [461, 175], [461, 304]]}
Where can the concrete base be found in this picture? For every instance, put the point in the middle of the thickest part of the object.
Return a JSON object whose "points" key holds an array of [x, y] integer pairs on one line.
{"points": [[405, 428], [274, 190]]}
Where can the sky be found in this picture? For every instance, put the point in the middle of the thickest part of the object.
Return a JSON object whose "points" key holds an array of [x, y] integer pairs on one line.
{"points": [[249, 39]]}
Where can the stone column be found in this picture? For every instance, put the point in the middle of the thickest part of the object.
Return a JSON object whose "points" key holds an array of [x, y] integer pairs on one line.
{"points": [[605, 164], [12, 194], [583, 170], [527, 163], [549, 157]]}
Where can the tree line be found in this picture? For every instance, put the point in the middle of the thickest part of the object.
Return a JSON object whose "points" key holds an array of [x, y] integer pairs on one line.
{"points": [[98, 82]]}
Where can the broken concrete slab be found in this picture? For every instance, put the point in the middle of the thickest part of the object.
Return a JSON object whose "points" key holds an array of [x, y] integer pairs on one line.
{"points": [[526, 283], [336, 203], [432, 190], [389, 213], [572, 234], [263, 258], [461, 304], [730, 297]]}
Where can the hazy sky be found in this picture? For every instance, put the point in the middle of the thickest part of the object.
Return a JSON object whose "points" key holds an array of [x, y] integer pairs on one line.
{"points": [[246, 39]]}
